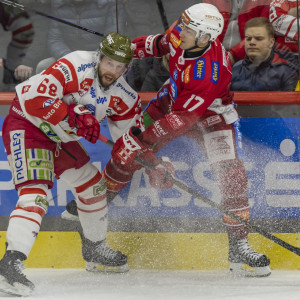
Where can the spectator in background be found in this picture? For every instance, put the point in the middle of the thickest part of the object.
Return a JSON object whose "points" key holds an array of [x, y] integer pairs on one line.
{"points": [[98, 15], [262, 69], [157, 76], [283, 16], [18, 22], [138, 71], [236, 13]]}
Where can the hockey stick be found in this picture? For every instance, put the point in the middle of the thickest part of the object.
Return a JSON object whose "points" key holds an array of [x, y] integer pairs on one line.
{"points": [[162, 13], [211, 203], [21, 7], [117, 16]]}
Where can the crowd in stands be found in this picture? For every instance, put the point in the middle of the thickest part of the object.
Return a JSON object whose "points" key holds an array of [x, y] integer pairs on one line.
{"points": [[261, 37]]}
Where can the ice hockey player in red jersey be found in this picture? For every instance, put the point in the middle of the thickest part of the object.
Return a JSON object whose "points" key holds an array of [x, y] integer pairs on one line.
{"points": [[195, 102], [49, 114]]}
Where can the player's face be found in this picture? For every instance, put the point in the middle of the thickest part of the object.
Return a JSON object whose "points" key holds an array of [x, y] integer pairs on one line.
{"points": [[187, 37], [109, 71], [258, 44]]}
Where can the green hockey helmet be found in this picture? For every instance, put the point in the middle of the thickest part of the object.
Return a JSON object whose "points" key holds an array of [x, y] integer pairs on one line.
{"points": [[117, 47]]}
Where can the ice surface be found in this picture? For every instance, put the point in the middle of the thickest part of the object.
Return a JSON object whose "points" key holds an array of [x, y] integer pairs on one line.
{"points": [[155, 285]]}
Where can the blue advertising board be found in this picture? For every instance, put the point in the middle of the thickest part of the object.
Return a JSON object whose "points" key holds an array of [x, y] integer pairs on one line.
{"points": [[269, 148]]}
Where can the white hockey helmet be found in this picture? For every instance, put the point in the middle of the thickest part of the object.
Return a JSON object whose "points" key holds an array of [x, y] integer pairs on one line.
{"points": [[204, 18]]}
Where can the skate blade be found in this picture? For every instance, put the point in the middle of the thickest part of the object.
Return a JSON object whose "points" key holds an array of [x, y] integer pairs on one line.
{"points": [[67, 216], [242, 270], [16, 290], [94, 267]]}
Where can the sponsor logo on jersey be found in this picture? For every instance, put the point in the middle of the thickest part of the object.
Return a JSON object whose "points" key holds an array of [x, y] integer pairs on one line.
{"points": [[129, 93], [215, 70], [278, 23], [18, 156], [174, 40], [86, 84], [187, 74], [25, 88], [83, 67], [39, 164], [159, 130], [93, 92], [64, 69], [175, 75], [117, 104], [173, 88], [50, 113], [19, 112], [42, 202], [91, 108], [178, 27], [48, 131], [48, 102], [219, 145], [163, 93], [174, 121], [101, 100], [172, 50], [181, 60], [212, 120], [199, 69]]}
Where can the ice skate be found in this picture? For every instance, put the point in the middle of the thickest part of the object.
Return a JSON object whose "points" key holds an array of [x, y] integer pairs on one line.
{"points": [[12, 280], [71, 213], [100, 257], [240, 254]]}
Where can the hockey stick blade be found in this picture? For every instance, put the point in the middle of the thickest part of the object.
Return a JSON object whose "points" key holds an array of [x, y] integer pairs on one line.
{"points": [[186, 188], [21, 7]]}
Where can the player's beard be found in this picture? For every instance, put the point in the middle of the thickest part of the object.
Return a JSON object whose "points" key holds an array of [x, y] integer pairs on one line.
{"points": [[106, 79]]}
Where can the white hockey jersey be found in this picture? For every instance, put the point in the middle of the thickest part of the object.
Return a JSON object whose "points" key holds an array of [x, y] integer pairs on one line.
{"points": [[44, 98]]}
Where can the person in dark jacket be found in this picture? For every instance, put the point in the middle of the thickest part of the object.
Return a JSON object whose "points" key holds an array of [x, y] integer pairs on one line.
{"points": [[262, 69], [98, 15]]}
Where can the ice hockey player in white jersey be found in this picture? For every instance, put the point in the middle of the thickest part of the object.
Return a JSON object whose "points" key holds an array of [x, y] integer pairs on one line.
{"points": [[49, 114]]}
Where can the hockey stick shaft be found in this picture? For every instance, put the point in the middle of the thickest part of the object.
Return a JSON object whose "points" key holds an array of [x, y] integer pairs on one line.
{"points": [[162, 13], [186, 188], [21, 7]]}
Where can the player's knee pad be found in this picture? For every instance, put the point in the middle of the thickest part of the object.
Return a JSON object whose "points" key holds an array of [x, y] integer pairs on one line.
{"points": [[118, 176], [32, 203]]}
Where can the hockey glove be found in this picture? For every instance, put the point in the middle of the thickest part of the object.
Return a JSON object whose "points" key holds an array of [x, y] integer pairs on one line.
{"points": [[146, 46], [128, 146], [82, 119], [159, 178]]}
